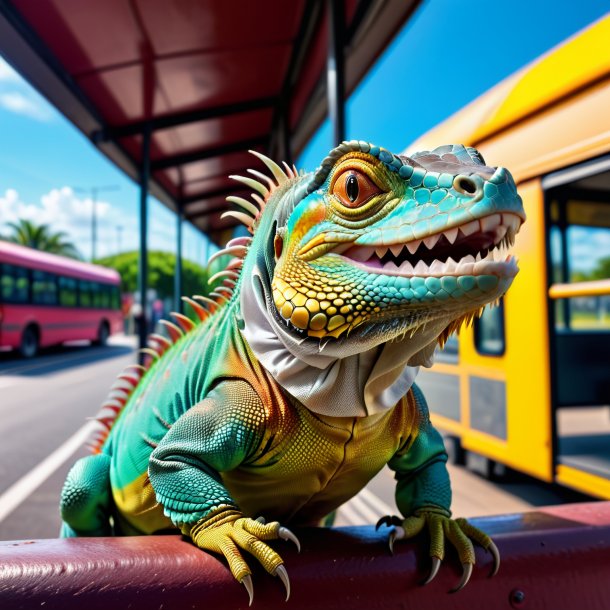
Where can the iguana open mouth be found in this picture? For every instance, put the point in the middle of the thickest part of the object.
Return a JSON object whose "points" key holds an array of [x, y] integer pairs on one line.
{"points": [[473, 248]]}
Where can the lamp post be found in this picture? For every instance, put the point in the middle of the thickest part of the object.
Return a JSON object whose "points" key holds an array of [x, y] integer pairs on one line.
{"points": [[94, 191]]}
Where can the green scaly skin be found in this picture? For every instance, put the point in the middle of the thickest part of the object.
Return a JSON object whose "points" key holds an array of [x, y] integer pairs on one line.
{"points": [[207, 440]]}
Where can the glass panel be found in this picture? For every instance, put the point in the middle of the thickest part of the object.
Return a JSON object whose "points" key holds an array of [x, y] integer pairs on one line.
{"points": [[44, 288], [580, 252], [14, 284], [67, 292], [84, 293], [489, 331]]}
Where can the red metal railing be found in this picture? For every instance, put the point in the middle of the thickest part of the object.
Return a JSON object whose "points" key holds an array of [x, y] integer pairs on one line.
{"points": [[555, 558]]}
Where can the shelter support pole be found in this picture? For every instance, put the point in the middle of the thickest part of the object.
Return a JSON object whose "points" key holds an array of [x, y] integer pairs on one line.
{"points": [[178, 271], [335, 69], [143, 259]]}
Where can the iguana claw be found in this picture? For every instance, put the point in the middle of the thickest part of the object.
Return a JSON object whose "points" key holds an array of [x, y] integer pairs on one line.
{"points": [[247, 582], [466, 574], [493, 549], [388, 520], [443, 529], [285, 534], [282, 574], [436, 564]]}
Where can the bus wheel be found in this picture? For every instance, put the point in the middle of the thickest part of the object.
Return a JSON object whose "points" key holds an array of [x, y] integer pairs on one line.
{"points": [[29, 342], [102, 334]]}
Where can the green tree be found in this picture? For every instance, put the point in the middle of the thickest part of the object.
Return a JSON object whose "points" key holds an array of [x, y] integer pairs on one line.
{"points": [[161, 271], [602, 269], [41, 237]]}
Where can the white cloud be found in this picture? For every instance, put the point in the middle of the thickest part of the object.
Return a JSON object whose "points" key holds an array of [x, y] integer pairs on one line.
{"points": [[117, 226], [7, 72], [63, 210], [16, 101], [18, 96]]}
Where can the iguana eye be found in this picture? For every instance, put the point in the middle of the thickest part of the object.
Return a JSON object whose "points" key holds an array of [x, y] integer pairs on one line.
{"points": [[353, 189]]}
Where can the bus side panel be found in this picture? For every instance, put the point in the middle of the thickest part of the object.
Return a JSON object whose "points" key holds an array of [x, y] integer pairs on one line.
{"points": [[525, 364], [10, 325]]}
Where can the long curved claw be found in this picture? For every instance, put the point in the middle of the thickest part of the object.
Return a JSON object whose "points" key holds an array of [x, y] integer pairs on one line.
{"points": [[388, 521], [436, 564], [261, 520], [466, 574], [285, 534], [247, 582], [493, 549], [395, 534], [282, 574]]}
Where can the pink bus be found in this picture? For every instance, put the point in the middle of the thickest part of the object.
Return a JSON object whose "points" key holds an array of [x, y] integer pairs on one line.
{"points": [[47, 299]]}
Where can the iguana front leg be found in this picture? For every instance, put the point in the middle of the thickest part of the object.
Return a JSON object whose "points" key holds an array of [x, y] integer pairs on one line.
{"points": [[217, 435], [423, 496]]}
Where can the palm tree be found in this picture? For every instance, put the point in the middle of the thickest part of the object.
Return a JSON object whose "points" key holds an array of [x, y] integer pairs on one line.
{"points": [[41, 237]]}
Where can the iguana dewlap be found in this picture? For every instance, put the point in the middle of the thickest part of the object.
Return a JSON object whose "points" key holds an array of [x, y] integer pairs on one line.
{"points": [[296, 386]]}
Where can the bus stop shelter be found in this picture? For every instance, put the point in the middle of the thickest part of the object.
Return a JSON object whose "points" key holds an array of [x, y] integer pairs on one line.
{"points": [[174, 92]]}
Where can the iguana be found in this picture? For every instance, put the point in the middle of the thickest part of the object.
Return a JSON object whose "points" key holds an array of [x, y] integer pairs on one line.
{"points": [[296, 386]]}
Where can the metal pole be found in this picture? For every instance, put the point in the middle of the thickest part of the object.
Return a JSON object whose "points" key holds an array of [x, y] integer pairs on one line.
{"points": [[93, 222], [143, 260], [335, 69], [178, 272]]}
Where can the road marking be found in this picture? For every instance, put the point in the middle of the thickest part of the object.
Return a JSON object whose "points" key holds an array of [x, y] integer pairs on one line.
{"points": [[375, 501], [26, 485], [366, 507]]}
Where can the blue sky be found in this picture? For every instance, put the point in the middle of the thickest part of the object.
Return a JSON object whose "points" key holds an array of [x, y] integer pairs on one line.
{"points": [[451, 52]]}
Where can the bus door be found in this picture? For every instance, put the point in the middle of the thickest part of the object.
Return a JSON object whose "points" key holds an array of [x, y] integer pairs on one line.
{"points": [[578, 244]]}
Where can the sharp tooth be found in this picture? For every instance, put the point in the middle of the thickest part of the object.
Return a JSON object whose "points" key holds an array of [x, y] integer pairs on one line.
{"points": [[490, 222], [421, 268], [413, 245], [478, 257], [470, 228], [431, 241], [380, 252], [406, 268], [390, 266], [500, 233], [511, 220], [450, 265], [396, 250], [467, 259], [465, 268], [437, 268], [451, 234]]}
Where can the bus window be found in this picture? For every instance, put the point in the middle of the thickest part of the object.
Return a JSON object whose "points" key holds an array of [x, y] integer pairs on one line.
{"points": [[96, 295], [67, 292], [14, 284], [115, 297], [580, 251], [449, 353], [489, 331], [84, 293], [44, 288]]}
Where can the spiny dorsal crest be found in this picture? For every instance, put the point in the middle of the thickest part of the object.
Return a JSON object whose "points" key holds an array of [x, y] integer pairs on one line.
{"points": [[263, 188]]}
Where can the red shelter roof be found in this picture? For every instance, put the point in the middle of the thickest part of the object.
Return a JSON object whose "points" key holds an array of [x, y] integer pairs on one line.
{"points": [[209, 79]]}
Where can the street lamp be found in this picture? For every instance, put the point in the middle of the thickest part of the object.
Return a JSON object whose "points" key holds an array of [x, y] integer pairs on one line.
{"points": [[94, 191]]}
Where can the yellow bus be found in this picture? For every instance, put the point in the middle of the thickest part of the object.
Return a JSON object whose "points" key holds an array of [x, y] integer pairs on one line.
{"points": [[528, 386]]}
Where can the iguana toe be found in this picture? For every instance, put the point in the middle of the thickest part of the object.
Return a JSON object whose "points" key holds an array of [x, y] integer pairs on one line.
{"points": [[443, 529]]}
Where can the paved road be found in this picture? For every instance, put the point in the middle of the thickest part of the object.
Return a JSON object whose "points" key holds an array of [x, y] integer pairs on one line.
{"points": [[45, 403]]}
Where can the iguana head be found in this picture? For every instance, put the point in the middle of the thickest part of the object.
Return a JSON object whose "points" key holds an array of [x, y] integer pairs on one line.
{"points": [[381, 244]]}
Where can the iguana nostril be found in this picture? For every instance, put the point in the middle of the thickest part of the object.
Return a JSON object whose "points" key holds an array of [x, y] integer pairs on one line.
{"points": [[465, 185]]}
